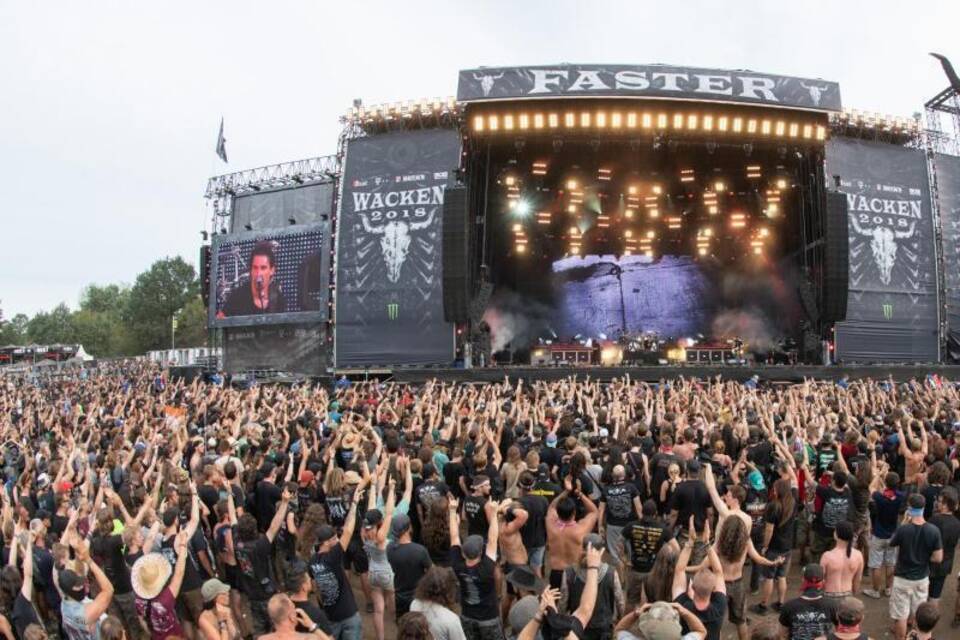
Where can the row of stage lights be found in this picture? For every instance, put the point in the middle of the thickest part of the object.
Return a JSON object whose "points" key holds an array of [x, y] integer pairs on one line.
{"points": [[494, 123], [878, 121], [401, 110], [641, 242]]}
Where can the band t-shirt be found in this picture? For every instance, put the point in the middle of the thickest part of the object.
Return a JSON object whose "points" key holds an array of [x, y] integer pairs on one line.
{"points": [[807, 618], [478, 594], [644, 538], [477, 524], [333, 590], [253, 561], [619, 500]]}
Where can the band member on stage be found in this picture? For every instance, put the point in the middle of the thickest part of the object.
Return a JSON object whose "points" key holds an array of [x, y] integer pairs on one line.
{"points": [[259, 292]]}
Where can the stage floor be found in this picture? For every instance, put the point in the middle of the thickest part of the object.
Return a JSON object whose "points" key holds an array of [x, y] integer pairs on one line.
{"points": [[769, 373]]}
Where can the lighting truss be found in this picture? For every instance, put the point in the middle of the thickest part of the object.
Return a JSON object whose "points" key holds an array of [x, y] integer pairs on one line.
{"points": [[855, 123]]}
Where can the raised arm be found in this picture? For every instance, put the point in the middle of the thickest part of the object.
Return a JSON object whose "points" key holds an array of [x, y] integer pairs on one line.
{"points": [[711, 482], [180, 546], [99, 606], [589, 596], [453, 521], [278, 517], [493, 529], [351, 524], [680, 572]]}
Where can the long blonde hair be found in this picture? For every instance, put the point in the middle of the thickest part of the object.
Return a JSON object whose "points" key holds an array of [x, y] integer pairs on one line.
{"points": [[334, 484]]}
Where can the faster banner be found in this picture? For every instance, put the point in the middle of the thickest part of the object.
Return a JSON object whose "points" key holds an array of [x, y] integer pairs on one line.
{"points": [[389, 307], [892, 301]]}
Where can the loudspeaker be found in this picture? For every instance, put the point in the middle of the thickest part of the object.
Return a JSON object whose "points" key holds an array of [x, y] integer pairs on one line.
{"points": [[456, 256], [836, 267], [205, 274]]}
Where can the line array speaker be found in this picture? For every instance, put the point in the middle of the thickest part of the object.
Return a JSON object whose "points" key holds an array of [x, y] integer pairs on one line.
{"points": [[836, 268], [456, 255]]}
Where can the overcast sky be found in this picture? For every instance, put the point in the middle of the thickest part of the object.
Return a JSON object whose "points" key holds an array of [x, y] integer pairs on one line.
{"points": [[109, 110]]}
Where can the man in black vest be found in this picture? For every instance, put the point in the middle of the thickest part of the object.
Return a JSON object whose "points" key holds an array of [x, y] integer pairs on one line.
{"points": [[610, 605]]}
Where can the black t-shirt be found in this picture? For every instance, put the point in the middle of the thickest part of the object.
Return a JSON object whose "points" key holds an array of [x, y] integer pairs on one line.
{"points": [[210, 496], [23, 614], [337, 508], [409, 563], [192, 579], [755, 505], [930, 493], [659, 468], [619, 500], [268, 495], [690, 498], [534, 531], [477, 524], [837, 508], [644, 538], [915, 545], [316, 614], [949, 527], [255, 567], [240, 301], [761, 455], [107, 551], [545, 489], [333, 589], [478, 594], [783, 534], [452, 472], [807, 619], [712, 617], [551, 456]]}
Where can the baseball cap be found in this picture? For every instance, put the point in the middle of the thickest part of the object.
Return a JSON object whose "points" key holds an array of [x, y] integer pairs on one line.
{"points": [[551, 440], [72, 584], [472, 547], [813, 573], [324, 533], [372, 519], [522, 612], [399, 525], [306, 477]]}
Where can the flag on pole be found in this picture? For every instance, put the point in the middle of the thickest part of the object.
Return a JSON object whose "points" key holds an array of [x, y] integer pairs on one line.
{"points": [[221, 143]]}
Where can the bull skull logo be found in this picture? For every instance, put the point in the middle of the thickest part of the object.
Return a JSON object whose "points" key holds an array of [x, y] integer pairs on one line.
{"points": [[395, 241], [884, 246], [816, 92], [486, 81]]}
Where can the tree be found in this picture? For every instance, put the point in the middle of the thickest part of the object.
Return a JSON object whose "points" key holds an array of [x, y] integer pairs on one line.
{"points": [[55, 327], [192, 324], [113, 299], [159, 292], [14, 330]]}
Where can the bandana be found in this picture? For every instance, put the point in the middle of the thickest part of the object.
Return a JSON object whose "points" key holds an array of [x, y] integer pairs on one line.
{"points": [[915, 513], [812, 585]]}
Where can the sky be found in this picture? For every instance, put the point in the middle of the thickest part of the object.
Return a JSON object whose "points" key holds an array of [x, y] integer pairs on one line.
{"points": [[109, 110]]}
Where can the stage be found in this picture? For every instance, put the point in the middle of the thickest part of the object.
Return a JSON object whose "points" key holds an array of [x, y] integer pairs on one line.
{"points": [[767, 373]]}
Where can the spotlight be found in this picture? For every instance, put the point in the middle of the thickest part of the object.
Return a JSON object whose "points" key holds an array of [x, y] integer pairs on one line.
{"points": [[781, 184], [292, 221], [571, 184], [248, 227], [521, 209]]}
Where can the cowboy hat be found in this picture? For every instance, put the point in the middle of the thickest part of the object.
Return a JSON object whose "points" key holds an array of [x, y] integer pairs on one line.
{"points": [[350, 440], [149, 575]]}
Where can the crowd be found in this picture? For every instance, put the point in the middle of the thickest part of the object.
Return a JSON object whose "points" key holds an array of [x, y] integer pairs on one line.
{"points": [[136, 506]]}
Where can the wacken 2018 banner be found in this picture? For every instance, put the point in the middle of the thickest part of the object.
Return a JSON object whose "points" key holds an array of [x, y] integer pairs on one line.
{"points": [[389, 269], [892, 302], [654, 81], [948, 193]]}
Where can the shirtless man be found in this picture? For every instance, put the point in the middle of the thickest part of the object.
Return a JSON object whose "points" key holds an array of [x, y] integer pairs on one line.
{"points": [[913, 455], [565, 533], [733, 545], [512, 551], [729, 504], [842, 566]]}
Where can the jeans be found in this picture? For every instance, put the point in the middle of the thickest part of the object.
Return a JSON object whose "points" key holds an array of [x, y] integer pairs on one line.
{"points": [[349, 629], [482, 629]]}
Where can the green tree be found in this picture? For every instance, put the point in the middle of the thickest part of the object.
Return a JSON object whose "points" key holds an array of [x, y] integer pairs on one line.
{"points": [[14, 330], [112, 298], [52, 327], [159, 292], [192, 324]]}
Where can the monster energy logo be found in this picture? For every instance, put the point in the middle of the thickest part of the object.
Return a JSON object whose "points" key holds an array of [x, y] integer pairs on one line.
{"points": [[887, 311], [392, 310]]}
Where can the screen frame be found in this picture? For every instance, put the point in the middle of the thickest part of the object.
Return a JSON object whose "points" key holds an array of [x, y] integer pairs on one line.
{"points": [[273, 318]]}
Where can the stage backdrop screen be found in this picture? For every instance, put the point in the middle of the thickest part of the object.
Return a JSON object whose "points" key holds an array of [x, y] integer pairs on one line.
{"points": [[273, 209], [293, 348], [270, 277], [892, 302], [948, 192], [389, 271]]}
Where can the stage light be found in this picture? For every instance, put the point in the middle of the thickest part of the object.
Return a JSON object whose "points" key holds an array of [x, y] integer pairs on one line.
{"points": [[508, 122], [657, 189], [604, 174], [781, 128], [651, 235], [758, 250], [702, 251], [654, 212], [794, 129], [616, 120], [571, 184], [520, 248], [773, 209], [632, 189], [611, 355], [751, 125], [722, 123], [678, 121], [764, 232], [628, 213], [569, 120], [662, 121], [719, 186], [524, 121], [628, 233], [686, 175], [692, 121], [553, 120], [574, 231], [585, 119], [601, 119], [632, 120], [781, 183], [510, 181], [478, 123], [493, 123], [738, 125], [821, 132], [575, 250], [646, 121], [517, 227], [708, 123]]}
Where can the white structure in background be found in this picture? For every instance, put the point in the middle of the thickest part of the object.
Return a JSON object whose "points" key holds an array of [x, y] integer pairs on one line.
{"points": [[183, 357]]}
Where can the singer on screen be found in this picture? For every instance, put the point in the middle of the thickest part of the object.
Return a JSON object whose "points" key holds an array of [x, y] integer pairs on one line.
{"points": [[259, 292]]}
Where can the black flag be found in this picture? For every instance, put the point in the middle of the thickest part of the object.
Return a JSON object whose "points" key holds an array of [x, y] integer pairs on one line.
{"points": [[221, 143]]}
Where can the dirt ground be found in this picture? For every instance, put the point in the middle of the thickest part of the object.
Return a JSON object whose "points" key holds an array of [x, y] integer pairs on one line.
{"points": [[876, 622]]}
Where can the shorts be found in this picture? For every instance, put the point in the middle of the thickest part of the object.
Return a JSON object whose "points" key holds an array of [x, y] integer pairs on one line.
{"points": [[936, 586], [381, 579], [736, 601], [356, 557], [535, 557], [906, 596], [780, 571], [881, 553], [192, 604]]}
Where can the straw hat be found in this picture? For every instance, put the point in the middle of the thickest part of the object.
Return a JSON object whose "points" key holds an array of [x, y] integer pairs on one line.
{"points": [[149, 575]]}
